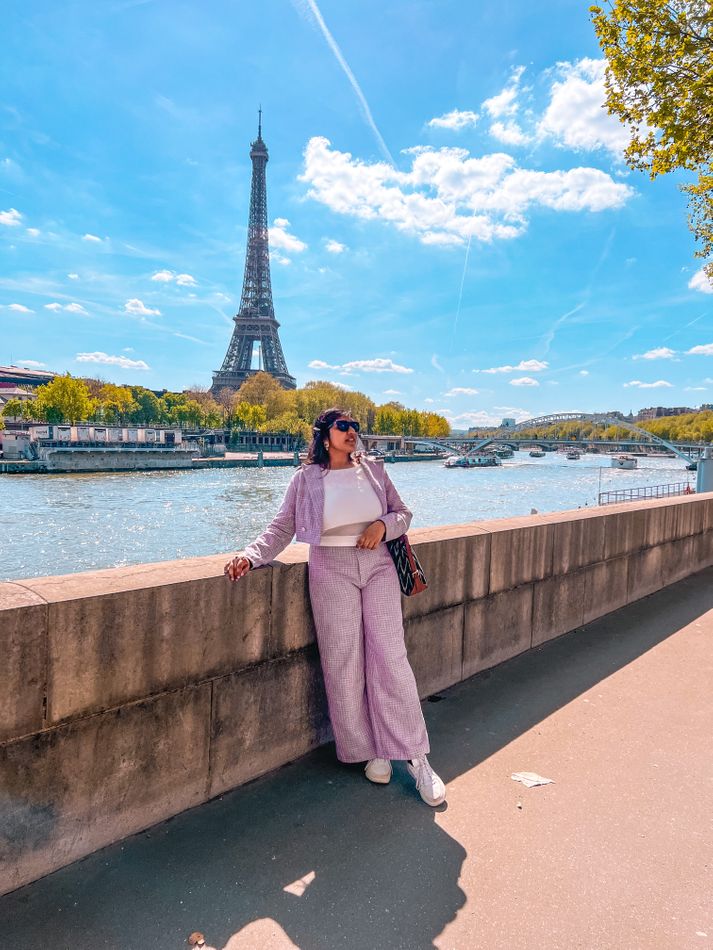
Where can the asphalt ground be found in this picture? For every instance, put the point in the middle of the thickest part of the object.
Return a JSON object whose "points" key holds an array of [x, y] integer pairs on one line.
{"points": [[616, 854]]}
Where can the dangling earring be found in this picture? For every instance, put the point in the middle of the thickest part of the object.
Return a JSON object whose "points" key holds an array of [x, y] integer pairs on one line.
{"points": [[326, 445]]}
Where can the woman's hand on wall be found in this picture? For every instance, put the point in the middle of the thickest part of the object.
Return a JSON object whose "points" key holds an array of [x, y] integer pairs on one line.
{"points": [[237, 568], [372, 536]]}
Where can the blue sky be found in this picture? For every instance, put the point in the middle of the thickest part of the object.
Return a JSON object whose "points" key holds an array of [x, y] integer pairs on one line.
{"points": [[452, 224]]}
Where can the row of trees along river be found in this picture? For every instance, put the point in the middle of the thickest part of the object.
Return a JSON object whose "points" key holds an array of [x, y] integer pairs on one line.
{"points": [[688, 427], [260, 404]]}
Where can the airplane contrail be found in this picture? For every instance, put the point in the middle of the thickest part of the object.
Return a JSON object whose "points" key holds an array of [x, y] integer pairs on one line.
{"points": [[332, 43], [460, 293]]}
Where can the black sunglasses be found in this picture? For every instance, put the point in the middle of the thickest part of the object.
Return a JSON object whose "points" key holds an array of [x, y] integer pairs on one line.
{"points": [[344, 425]]}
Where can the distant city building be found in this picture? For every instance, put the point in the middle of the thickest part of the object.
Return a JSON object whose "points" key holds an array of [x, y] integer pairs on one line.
{"points": [[655, 412], [255, 321], [18, 376], [508, 423]]}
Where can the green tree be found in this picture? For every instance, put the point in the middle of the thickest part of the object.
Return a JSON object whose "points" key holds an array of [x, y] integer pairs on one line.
{"points": [[148, 409], [248, 416], [659, 82], [65, 399], [19, 409], [116, 404]]}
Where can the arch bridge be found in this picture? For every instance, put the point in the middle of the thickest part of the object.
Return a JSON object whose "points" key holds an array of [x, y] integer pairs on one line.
{"points": [[504, 433]]}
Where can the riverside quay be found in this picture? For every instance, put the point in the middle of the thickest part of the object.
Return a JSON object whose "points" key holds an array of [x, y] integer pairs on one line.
{"points": [[574, 645]]}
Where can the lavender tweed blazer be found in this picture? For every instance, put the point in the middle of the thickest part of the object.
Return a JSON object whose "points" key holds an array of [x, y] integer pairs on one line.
{"points": [[303, 507]]}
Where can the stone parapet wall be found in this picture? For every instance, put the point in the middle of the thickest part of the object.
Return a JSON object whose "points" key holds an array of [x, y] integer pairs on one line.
{"points": [[134, 693]]}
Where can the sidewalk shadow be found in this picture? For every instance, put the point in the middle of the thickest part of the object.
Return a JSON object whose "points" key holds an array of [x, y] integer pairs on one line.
{"points": [[364, 866]]}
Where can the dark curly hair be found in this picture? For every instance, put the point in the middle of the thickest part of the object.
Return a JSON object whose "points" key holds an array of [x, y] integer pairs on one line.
{"points": [[317, 454]]}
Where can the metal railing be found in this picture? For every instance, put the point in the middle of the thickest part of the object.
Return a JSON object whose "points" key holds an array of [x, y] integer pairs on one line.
{"points": [[647, 491]]}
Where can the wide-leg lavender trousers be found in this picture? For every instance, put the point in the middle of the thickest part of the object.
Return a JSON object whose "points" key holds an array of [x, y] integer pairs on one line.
{"points": [[371, 690]]}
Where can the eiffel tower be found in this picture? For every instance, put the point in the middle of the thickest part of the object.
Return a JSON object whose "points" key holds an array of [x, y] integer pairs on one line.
{"points": [[255, 320]]}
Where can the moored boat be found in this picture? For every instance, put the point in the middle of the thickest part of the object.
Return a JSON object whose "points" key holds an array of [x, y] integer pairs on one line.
{"points": [[574, 455], [481, 460], [537, 454]]}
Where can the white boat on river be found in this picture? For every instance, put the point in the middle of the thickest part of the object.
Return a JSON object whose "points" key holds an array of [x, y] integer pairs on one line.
{"points": [[481, 460], [627, 462]]}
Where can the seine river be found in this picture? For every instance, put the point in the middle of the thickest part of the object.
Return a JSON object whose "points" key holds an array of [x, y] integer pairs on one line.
{"points": [[59, 524]]}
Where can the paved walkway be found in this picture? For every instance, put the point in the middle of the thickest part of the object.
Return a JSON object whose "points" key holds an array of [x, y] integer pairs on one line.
{"points": [[616, 855]]}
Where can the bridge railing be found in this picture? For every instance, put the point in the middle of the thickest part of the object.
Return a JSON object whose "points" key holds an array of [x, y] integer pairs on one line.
{"points": [[646, 491]]}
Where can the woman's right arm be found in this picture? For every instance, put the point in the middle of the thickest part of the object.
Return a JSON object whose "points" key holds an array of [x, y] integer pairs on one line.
{"points": [[278, 533]]}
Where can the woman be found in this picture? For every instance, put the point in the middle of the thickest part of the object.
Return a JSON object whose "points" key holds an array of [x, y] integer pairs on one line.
{"points": [[345, 508]]}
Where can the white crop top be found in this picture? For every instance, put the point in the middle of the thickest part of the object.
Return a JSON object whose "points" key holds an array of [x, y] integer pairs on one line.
{"points": [[350, 506]]}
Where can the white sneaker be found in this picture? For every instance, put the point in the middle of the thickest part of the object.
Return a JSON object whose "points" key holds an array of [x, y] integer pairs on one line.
{"points": [[378, 770], [428, 784]]}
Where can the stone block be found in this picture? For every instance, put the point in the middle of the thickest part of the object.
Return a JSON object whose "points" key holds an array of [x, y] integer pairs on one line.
{"points": [[109, 644], [558, 606], [520, 552], [73, 789], [645, 575], [291, 621], [578, 540], [496, 628], [266, 716], [605, 588], [704, 549], [455, 560], [435, 648], [23, 660], [625, 531]]}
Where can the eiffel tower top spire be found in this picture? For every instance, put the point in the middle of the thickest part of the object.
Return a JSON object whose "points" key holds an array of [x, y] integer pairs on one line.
{"points": [[255, 320]]}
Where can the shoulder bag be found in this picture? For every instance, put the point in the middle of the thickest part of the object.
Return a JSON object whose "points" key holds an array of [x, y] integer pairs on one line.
{"points": [[409, 570]]}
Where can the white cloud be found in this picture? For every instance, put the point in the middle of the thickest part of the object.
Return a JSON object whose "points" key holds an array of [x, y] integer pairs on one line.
{"points": [[167, 276], [19, 308], [576, 116], [10, 218], [435, 364], [281, 240], [428, 400], [92, 237], [73, 276], [69, 307], [659, 384], [462, 391], [31, 364], [33, 232], [524, 366], [448, 196], [705, 349], [696, 389], [505, 103], [700, 281], [121, 361], [392, 392], [137, 307], [279, 259], [455, 120], [378, 365], [659, 353], [524, 381], [335, 247], [509, 133], [584, 372]]}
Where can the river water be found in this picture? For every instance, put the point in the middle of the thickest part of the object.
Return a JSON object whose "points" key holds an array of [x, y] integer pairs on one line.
{"points": [[59, 524]]}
